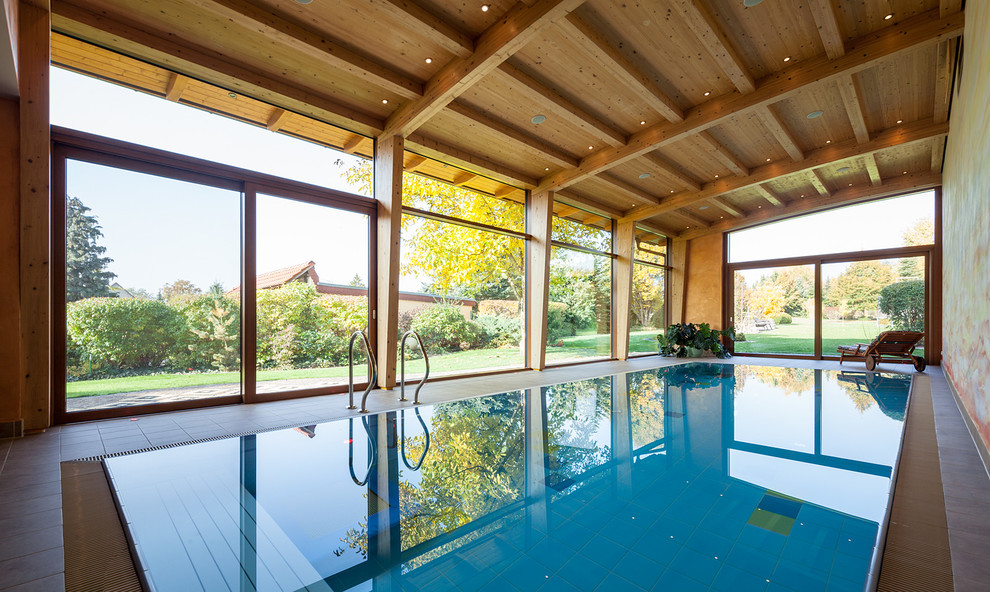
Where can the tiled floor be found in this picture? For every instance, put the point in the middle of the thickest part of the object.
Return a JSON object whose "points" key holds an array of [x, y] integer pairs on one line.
{"points": [[30, 493]]}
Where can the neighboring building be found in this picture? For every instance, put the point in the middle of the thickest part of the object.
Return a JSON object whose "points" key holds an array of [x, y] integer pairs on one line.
{"points": [[121, 291], [306, 273]]}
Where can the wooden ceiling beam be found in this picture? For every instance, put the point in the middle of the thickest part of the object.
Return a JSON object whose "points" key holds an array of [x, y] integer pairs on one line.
{"points": [[943, 78], [458, 157], [727, 207], [177, 84], [844, 196], [776, 127], [584, 204], [706, 29], [901, 135], [657, 162], [505, 190], [352, 143], [463, 177], [768, 195], [873, 170], [136, 41], [612, 57], [938, 154], [412, 162], [537, 144], [563, 211], [828, 27], [630, 191], [427, 24], [558, 106], [722, 154], [819, 183], [508, 35], [277, 119], [690, 218], [851, 98], [920, 31], [260, 19]]}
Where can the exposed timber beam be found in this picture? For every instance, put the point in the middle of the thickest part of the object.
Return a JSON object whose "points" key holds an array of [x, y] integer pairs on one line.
{"points": [[504, 190], [851, 94], [514, 30], [427, 24], [560, 107], [177, 84], [258, 18], [352, 143], [846, 195], [464, 177], [690, 218], [773, 123], [563, 211], [722, 154], [158, 48], [918, 131], [634, 79], [768, 195], [586, 205], [828, 27], [727, 207], [923, 30], [938, 154], [630, 191], [437, 150], [413, 161], [819, 183], [666, 169], [870, 160], [943, 78], [277, 119], [706, 29], [535, 143]]}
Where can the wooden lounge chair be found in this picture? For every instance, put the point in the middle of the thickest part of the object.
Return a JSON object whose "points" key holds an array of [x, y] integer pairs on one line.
{"points": [[889, 344]]}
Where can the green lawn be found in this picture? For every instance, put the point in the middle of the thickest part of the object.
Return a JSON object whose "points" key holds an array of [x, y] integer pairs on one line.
{"points": [[798, 337]]}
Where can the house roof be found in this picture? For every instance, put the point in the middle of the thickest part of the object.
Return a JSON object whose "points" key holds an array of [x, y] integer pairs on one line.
{"points": [[282, 276]]}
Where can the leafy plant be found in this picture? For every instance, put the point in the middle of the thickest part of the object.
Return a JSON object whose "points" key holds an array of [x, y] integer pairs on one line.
{"points": [[676, 340]]}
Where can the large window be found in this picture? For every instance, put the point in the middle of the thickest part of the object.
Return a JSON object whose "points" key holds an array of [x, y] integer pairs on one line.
{"points": [[649, 293]]}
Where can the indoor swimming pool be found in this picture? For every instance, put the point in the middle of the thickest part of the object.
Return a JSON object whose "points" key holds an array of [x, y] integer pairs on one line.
{"points": [[698, 476]]}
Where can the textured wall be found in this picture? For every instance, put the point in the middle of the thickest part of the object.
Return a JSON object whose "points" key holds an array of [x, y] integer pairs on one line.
{"points": [[10, 332], [966, 225], [703, 283]]}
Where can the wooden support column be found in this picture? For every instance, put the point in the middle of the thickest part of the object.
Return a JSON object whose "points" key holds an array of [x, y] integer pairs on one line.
{"points": [[539, 215], [622, 266], [677, 277], [34, 55], [388, 192], [10, 305]]}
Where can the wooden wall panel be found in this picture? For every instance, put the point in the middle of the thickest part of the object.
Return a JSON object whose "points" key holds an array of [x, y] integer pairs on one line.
{"points": [[703, 281], [677, 278], [10, 328]]}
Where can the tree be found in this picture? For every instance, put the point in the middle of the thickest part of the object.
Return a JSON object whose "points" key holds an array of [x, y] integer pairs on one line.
{"points": [[905, 303], [85, 266], [178, 288], [798, 285], [922, 232], [356, 281], [647, 293], [858, 287]]}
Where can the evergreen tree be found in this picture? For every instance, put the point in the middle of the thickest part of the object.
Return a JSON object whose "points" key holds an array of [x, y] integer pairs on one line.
{"points": [[85, 266]]}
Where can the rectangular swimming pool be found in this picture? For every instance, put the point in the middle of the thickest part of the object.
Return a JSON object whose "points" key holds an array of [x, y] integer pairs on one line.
{"points": [[697, 476]]}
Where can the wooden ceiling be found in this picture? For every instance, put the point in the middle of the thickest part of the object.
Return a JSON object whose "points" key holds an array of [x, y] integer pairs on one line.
{"points": [[687, 116]]}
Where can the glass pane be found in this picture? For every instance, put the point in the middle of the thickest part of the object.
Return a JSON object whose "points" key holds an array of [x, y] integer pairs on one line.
{"points": [[648, 315], [594, 233], [424, 193], [310, 297], [79, 102], [579, 432], [861, 299], [773, 310], [650, 252], [462, 291], [149, 262], [579, 319], [882, 224]]}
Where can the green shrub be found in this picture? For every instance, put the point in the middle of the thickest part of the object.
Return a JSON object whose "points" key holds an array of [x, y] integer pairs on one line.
{"points": [[557, 324], [125, 332], [499, 331], [443, 327], [905, 303], [504, 308], [212, 339], [782, 318]]}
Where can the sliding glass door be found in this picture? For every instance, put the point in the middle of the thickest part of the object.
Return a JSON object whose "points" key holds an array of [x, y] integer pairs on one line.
{"points": [[774, 310]]}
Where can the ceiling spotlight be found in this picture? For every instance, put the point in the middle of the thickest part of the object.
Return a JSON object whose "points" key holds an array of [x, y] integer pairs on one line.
{"points": [[888, 17], [751, 3], [642, 123], [759, 207], [384, 101], [716, 176], [303, 1], [850, 184], [814, 114], [787, 59], [843, 169], [900, 121], [232, 95], [671, 190], [720, 217], [484, 8], [429, 60], [591, 147], [538, 119], [802, 195], [644, 176], [547, 169], [768, 160], [828, 141], [708, 92], [904, 173], [703, 208]]}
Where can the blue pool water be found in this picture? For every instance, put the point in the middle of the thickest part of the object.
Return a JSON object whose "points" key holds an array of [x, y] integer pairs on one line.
{"points": [[692, 477]]}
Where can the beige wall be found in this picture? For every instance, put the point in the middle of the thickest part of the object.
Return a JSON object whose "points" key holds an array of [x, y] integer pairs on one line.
{"points": [[966, 226], [703, 281], [10, 404]]}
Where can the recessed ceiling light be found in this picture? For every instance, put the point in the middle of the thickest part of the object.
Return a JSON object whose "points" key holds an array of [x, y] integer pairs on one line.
{"points": [[787, 59], [850, 184], [759, 207], [888, 17], [232, 95], [843, 169], [538, 119], [547, 169], [644, 176], [591, 147], [708, 92], [802, 195], [904, 173], [304, 1], [642, 123], [484, 8], [721, 216], [768, 160], [429, 60], [828, 141], [900, 121], [671, 190], [814, 114], [703, 208], [716, 176], [751, 3], [384, 101]]}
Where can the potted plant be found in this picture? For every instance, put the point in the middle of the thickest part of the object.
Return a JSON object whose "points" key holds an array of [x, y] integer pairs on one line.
{"points": [[690, 340]]}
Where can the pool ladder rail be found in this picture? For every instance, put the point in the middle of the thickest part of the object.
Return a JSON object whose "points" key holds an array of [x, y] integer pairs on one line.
{"points": [[373, 446], [350, 371], [402, 358]]}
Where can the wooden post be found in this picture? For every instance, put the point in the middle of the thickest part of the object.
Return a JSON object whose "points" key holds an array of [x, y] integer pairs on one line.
{"points": [[10, 296], [34, 56], [678, 279], [388, 192], [625, 233], [539, 215]]}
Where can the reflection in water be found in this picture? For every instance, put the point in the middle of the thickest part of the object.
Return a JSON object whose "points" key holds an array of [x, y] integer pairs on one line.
{"points": [[682, 464]]}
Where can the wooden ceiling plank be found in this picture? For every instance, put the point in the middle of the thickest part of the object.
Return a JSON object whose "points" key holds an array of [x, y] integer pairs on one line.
{"points": [[722, 154], [177, 84], [870, 161], [901, 135], [504, 190], [563, 211], [437, 150], [768, 195], [569, 198], [706, 29], [413, 161], [621, 66], [315, 45], [352, 143], [429, 25], [508, 35], [628, 190], [561, 107], [773, 123], [669, 170], [136, 40], [851, 98], [914, 33], [691, 219], [845, 196], [816, 179], [828, 27], [949, 7], [943, 78], [277, 119], [727, 207], [463, 177], [938, 154], [536, 143]]}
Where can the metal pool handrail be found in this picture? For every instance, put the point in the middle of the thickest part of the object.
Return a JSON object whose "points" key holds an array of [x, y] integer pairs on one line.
{"points": [[402, 358], [402, 439], [372, 452], [350, 371]]}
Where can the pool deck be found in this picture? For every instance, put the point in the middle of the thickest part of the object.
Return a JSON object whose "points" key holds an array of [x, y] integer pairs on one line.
{"points": [[31, 553]]}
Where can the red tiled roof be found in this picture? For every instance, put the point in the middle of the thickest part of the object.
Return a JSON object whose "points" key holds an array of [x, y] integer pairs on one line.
{"points": [[280, 277]]}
